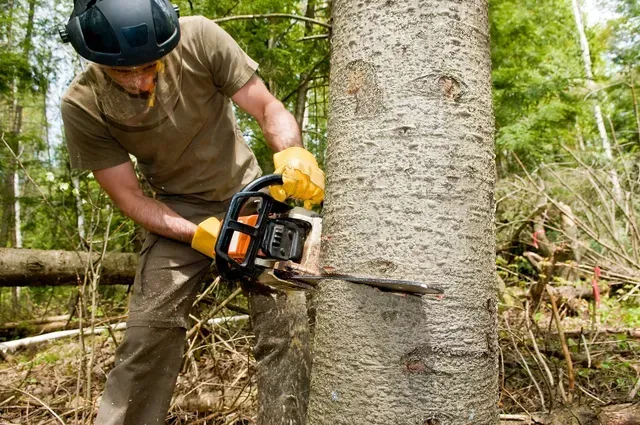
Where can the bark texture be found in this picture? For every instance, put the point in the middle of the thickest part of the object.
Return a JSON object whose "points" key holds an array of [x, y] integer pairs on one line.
{"points": [[411, 174], [283, 358], [34, 267]]}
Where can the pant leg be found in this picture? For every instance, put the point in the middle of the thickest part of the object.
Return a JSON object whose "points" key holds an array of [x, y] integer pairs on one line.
{"points": [[283, 358], [140, 386]]}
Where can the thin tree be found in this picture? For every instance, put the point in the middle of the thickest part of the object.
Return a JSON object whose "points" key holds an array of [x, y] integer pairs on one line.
{"points": [[301, 95], [591, 85], [12, 178], [410, 181]]}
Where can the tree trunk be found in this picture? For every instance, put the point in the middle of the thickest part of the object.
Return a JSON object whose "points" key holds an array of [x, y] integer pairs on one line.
{"points": [[411, 174], [591, 85], [15, 292], [34, 267], [79, 210], [28, 37], [11, 200], [636, 112], [301, 96], [586, 60], [8, 197], [17, 208]]}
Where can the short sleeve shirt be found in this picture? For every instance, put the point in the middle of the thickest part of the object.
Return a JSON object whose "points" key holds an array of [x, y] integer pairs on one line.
{"points": [[199, 150]]}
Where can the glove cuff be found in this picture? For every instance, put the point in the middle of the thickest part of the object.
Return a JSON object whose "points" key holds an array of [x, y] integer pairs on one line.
{"points": [[206, 235]]}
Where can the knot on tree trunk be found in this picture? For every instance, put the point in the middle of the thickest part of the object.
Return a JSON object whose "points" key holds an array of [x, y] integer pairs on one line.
{"points": [[450, 87], [361, 83]]}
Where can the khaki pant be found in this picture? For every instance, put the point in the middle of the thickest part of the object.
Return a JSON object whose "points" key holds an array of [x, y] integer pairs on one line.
{"points": [[140, 386]]}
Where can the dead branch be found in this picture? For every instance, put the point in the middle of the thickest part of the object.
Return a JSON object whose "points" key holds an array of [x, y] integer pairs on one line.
{"points": [[14, 345], [273, 15], [524, 363], [617, 414], [220, 306], [43, 404], [563, 342]]}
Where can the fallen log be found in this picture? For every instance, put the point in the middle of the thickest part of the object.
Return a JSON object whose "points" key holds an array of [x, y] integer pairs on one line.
{"points": [[35, 267], [632, 333], [11, 330], [14, 345], [616, 414], [35, 322], [24, 330]]}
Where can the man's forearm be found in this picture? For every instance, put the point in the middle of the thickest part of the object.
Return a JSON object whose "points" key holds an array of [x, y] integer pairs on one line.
{"points": [[280, 127], [158, 218]]}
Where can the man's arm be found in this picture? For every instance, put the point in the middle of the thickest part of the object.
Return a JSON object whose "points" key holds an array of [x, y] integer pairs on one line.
{"points": [[278, 125], [122, 186], [302, 178]]}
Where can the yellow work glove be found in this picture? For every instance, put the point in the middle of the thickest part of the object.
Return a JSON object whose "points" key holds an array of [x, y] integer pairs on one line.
{"points": [[301, 176], [206, 236]]}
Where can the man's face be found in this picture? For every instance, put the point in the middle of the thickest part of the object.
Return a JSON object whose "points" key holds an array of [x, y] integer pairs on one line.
{"points": [[134, 79]]}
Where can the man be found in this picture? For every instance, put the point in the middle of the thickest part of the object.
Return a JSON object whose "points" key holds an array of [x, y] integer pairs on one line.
{"points": [[160, 89]]}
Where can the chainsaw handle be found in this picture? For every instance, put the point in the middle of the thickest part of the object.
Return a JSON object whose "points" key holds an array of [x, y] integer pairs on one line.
{"points": [[262, 182], [228, 267]]}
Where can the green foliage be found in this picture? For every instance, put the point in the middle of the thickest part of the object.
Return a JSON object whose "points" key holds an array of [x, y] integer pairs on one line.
{"points": [[625, 43], [536, 71], [13, 67]]}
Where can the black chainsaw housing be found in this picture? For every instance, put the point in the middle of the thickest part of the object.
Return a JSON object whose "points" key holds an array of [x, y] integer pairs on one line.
{"points": [[284, 239], [277, 238]]}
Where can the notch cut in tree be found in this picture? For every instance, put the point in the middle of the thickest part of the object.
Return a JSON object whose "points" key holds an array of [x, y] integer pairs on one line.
{"points": [[410, 181]]}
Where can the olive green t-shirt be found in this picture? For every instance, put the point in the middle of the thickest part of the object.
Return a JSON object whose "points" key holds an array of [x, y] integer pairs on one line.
{"points": [[199, 151]]}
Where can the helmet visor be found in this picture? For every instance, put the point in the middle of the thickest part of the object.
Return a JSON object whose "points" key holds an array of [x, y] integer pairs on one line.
{"points": [[138, 95]]}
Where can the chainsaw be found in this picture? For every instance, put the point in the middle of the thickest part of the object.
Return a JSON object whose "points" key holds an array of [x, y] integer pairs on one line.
{"points": [[279, 246]]}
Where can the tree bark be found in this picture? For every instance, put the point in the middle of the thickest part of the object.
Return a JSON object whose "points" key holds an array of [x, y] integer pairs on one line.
{"points": [[411, 174], [8, 199], [33, 267]]}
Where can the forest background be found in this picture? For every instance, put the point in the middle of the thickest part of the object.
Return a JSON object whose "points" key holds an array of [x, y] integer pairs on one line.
{"points": [[568, 195]]}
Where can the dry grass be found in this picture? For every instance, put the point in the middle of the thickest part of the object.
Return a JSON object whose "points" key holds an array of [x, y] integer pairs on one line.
{"points": [[46, 384]]}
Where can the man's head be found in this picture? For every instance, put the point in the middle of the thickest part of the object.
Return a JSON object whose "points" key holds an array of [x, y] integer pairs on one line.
{"points": [[122, 32], [132, 44]]}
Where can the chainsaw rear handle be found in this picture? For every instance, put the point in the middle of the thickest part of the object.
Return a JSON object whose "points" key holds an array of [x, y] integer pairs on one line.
{"points": [[228, 267]]}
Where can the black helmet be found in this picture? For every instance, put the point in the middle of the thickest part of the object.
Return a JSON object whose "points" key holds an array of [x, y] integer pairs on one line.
{"points": [[122, 32]]}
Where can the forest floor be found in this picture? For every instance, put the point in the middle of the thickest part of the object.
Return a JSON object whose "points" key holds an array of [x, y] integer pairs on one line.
{"points": [[46, 384]]}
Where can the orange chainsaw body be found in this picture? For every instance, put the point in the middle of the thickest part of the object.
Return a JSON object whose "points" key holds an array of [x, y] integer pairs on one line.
{"points": [[240, 241]]}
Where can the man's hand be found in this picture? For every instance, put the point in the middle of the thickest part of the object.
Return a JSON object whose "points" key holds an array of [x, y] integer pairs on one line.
{"points": [[301, 176], [206, 236]]}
